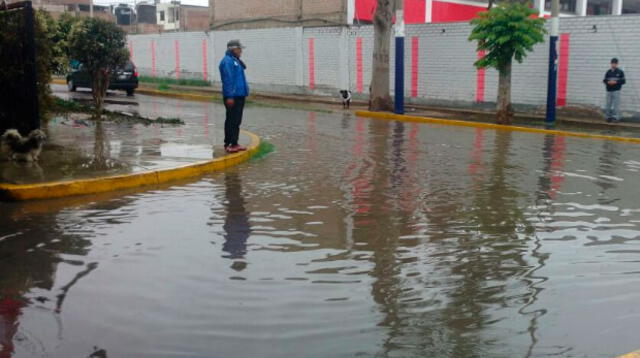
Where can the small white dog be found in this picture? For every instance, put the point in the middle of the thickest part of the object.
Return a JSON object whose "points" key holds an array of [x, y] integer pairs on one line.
{"points": [[25, 149], [345, 95]]}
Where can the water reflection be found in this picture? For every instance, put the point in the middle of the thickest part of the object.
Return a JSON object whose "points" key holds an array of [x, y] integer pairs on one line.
{"points": [[608, 161], [236, 224], [387, 239], [29, 261]]}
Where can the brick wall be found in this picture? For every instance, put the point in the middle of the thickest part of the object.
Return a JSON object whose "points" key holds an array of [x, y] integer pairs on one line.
{"points": [[440, 72], [194, 18], [247, 14]]}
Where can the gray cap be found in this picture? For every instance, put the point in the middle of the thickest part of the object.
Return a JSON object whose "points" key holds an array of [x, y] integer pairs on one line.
{"points": [[234, 44]]}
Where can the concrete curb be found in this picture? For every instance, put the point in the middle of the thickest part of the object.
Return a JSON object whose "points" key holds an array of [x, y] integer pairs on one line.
{"points": [[49, 190], [635, 354], [456, 122]]}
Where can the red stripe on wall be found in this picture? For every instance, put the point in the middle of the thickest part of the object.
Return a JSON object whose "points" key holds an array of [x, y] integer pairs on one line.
{"points": [[563, 70], [312, 64], [177, 52], [204, 60], [359, 65], [480, 76], [131, 50], [153, 58], [415, 46]]}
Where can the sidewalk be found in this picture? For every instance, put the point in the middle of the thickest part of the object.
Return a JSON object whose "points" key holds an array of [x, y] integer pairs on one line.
{"points": [[83, 156], [328, 103]]}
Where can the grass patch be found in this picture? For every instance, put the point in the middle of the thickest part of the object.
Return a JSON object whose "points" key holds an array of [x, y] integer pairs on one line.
{"points": [[171, 120], [163, 87], [172, 81], [61, 106], [263, 150]]}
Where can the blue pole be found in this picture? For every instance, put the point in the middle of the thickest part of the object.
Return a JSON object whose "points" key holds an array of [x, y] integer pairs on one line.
{"points": [[553, 64], [399, 83], [399, 86], [551, 83]]}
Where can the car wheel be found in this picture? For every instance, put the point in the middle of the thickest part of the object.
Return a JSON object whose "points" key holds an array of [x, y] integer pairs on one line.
{"points": [[71, 86], [130, 92]]}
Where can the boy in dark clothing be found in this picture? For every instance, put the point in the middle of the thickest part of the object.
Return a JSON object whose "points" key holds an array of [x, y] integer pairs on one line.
{"points": [[613, 80], [234, 91]]}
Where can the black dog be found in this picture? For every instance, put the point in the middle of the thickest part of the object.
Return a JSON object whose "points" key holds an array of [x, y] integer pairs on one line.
{"points": [[346, 98]]}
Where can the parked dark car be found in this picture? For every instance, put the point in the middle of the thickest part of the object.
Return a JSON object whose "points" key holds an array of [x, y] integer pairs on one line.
{"points": [[124, 79]]}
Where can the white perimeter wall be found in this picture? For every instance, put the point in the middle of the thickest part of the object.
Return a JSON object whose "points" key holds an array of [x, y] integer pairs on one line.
{"points": [[325, 60]]}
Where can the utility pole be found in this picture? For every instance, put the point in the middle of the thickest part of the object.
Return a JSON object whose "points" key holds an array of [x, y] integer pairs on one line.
{"points": [[553, 62], [399, 35], [91, 8]]}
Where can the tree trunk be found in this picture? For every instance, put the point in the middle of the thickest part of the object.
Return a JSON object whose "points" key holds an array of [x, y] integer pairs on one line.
{"points": [[99, 86], [505, 111], [379, 97]]}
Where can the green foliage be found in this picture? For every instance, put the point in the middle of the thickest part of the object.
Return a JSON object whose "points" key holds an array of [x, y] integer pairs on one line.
{"points": [[44, 55], [60, 41], [506, 32], [172, 81]]}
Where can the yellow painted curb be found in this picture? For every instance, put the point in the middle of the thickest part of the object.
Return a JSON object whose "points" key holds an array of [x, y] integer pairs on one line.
{"points": [[189, 96], [60, 189], [457, 122], [152, 92], [635, 354]]}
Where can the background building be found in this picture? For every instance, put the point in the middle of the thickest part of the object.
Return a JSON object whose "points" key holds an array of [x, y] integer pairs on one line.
{"points": [[175, 16], [247, 14], [76, 7]]}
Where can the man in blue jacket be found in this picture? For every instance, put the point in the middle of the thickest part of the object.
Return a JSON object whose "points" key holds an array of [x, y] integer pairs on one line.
{"points": [[234, 91]]}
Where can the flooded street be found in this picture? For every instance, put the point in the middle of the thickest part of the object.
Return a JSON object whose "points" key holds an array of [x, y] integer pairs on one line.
{"points": [[354, 238]]}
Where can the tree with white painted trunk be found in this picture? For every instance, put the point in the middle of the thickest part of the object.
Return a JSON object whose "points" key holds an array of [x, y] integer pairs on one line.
{"points": [[379, 97], [506, 32]]}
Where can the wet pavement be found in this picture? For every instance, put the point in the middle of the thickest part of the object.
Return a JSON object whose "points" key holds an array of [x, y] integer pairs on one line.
{"points": [[354, 238], [79, 148]]}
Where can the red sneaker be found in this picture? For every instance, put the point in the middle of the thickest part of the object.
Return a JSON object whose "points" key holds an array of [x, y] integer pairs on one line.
{"points": [[241, 148], [231, 149]]}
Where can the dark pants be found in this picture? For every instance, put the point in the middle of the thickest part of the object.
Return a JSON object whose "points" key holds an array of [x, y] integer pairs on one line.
{"points": [[232, 121]]}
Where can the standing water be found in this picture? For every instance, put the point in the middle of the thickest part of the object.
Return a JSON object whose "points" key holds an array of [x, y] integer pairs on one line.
{"points": [[354, 238]]}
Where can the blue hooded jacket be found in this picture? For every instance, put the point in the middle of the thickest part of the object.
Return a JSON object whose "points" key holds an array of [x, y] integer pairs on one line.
{"points": [[234, 83]]}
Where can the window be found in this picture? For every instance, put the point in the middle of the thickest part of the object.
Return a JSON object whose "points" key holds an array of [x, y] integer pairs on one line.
{"points": [[566, 6], [599, 7], [631, 7], [161, 15]]}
